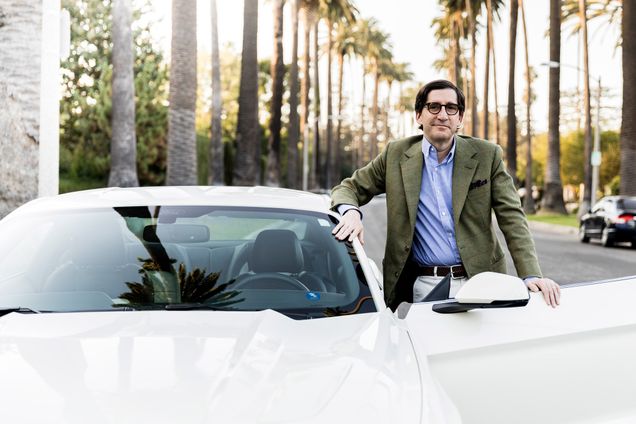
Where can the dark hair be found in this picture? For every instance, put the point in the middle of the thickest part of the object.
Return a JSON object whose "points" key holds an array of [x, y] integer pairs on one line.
{"points": [[420, 99]]}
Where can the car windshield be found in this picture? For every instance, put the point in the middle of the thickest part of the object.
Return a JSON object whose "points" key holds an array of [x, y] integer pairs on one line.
{"points": [[166, 257]]}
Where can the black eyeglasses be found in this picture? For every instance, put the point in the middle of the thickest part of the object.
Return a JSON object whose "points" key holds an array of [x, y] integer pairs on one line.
{"points": [[435, 108]]}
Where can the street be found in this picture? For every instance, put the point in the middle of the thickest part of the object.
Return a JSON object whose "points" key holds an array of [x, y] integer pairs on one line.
{"points": [[561, 256]]}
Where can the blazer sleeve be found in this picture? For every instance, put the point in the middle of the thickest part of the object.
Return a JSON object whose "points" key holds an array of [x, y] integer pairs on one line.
{"points": [[512, 220], [366, 182]]}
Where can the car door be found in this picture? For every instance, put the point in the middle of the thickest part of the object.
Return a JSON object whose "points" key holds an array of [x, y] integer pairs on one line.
{"points": [[595, 221], [535, 364]]}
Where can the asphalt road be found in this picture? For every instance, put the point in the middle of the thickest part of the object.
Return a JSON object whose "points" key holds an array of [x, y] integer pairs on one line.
{"points": [[561, 256]]}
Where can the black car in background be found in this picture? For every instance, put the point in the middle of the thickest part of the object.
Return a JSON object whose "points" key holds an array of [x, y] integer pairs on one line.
{"points": [[612, 219]]}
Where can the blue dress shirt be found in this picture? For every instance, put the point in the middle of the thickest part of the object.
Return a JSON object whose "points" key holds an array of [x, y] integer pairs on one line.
{"points": [[434, 240]]}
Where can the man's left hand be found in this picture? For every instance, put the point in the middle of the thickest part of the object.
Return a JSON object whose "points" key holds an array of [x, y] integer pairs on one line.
{"points": [[551, 290]]}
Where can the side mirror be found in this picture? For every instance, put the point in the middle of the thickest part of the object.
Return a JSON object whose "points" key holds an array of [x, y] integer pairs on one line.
{"points": [[376, 273], [487, 290]]}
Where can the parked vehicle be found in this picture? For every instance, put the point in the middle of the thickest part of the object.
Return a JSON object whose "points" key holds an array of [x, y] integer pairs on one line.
{"points": [[612, 219], [237, 305]]}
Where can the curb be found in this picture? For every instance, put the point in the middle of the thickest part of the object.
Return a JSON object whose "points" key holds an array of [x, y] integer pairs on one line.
{"points": [[554, 228]]}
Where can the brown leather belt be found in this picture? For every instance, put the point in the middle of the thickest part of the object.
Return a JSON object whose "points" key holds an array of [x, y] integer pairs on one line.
{"points": [[456, 271]]}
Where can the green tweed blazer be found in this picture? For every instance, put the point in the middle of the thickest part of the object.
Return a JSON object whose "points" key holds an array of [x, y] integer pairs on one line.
{"points": [[481, 186]]}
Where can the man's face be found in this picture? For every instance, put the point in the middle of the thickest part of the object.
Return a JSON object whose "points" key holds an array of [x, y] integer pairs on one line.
{"points": [[439, 128]]}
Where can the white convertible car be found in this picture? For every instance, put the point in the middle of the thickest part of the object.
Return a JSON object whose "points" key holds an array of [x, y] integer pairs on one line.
{"points": [[237, 305]]}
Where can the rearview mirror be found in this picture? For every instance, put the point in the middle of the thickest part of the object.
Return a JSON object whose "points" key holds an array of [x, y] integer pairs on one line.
{"points": [[176, 233], [487, 290]]}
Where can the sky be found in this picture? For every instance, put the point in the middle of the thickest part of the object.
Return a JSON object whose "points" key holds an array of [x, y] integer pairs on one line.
{"points": [[409, 24]]}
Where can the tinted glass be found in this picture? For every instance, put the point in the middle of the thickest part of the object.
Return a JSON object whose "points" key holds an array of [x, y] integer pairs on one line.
{"points": [[151, 257], [627, 204]]}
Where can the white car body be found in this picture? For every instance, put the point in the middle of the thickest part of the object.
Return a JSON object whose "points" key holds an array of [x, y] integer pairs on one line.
{"points": [[528, 364]]}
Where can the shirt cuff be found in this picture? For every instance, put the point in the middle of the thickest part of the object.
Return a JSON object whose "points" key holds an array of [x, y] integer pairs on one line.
{"points": [[530, 279], [343, 208]]}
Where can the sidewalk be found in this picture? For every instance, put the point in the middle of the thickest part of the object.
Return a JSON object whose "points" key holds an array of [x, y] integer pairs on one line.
{"points": [[558, 229]]}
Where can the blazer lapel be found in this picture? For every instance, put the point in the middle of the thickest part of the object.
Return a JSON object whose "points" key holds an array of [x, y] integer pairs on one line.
{"points": [[463, 171], [411, 166]]}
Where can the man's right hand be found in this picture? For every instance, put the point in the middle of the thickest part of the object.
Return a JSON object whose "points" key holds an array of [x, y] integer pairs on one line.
{"points": [[350, 226]]}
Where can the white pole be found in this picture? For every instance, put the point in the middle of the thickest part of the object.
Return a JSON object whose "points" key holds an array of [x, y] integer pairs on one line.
{"points": [[50, 92], [596, 151]]}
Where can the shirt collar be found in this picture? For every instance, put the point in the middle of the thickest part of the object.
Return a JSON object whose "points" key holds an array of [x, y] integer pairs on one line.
{"points": [[429, 151]]}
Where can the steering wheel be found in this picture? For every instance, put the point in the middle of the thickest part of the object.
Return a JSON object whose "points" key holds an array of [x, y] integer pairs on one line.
{"points": [[313, 281], [261, 279]]}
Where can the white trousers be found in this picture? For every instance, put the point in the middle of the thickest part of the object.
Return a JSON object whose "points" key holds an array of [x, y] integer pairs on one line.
{"points": [[424, 284]]}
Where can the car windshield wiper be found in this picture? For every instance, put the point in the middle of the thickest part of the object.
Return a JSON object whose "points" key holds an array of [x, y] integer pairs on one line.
{"points": [[193, 307], [19, 309]]}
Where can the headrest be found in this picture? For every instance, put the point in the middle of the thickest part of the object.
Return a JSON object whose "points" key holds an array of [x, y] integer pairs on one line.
{"points": [[276, 251]]}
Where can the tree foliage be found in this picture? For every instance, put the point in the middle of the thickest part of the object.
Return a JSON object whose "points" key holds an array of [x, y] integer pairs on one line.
{"points": [[85, 110]]}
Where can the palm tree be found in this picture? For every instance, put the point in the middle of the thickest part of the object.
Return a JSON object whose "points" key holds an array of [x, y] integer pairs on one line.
{"points": [[277, 71], [528, 204], [378, 52], [584, 11], [182, 157], [345, 44], [403, 74], [553, 190], [609, 11], [587, 178], [216, 170], [307, 13], [20, 30], [336, 12], [628, 121], [123, 146], [293, 179], [447, 34], [471, 12], [315, 176], [246, 165], [511, 145], [491, 41], [486, 119], [492, 10], [364, 30]]}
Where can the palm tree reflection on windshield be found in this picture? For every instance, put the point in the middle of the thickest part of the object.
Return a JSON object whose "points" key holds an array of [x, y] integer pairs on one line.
{"points": [[195, 287]]}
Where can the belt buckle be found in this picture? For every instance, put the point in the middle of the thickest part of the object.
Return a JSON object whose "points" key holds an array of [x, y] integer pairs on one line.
{"points": [[452, 273]]}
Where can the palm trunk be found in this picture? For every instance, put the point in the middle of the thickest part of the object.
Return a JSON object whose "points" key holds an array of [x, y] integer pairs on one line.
{"points": [[293, 178], [305, 82], [474, 119], [491, 40], [182, 158], [337, 145], [374, 113], [587, 174], [123, 146], [486, 119], [248, 143], [552, 201], [361, 149], [329, 157], [316, 172], [528, 204], [216, 165], [628, 125], [511, 146], [277, 71], [462, 58], [21, 32], [387, 132], [455, 52]]}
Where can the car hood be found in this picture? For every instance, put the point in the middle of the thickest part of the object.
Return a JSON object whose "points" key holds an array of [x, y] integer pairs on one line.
{"points": [[208, 366]]}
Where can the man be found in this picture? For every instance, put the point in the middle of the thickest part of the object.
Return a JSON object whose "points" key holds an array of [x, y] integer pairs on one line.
{"points": [[440, 191]]}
